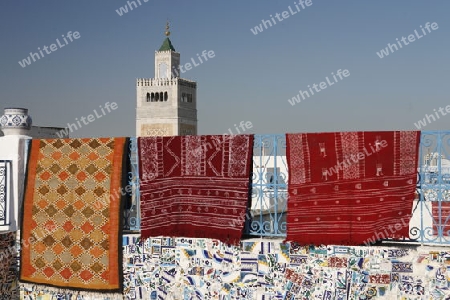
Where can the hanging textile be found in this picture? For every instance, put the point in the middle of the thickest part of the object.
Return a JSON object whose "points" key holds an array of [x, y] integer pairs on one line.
{"points": [[350, 187], [195, 186], [71, 224]]}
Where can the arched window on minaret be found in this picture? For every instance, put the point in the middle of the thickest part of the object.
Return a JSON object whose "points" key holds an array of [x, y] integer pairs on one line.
{"points": [[153, 97], [156, 96], [165, 96], [148, 97], [161, 96]]}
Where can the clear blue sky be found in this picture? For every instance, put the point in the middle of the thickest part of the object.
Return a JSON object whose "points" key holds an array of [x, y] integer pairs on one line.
{"points": [[251, 76]]}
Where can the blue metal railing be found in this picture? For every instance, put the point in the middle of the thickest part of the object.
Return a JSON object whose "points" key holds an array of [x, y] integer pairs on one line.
{"points": [[430, 223], [266, 215], [132, 216], [5, 174]]}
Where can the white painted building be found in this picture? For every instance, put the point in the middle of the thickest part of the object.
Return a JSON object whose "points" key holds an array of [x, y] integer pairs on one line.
{"points": [[17, 119], [15, 124], [39, 132]]}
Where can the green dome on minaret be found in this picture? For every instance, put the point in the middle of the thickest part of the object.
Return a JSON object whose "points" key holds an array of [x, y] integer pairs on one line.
{"points": [[167, 44]]}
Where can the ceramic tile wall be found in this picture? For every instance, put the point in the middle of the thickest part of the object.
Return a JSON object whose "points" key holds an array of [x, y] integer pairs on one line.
{"points": [[187, 269], [162, 268]]}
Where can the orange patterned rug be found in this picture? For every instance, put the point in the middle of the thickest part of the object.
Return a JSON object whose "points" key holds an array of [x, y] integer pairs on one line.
{"points": [[71, 224]]}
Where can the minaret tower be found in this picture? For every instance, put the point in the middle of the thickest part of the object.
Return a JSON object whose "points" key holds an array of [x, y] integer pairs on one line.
{"points": [[166, 104]]}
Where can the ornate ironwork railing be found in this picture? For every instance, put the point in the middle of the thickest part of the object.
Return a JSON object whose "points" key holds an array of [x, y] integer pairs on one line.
{"points": [[5, 198], [267, 213], [266, 216], [431, 219], [132, 215]]}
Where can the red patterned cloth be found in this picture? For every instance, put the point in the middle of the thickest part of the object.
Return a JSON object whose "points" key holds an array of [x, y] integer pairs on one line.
{"points": [[441, 214], [195, 186], [351, 187]]}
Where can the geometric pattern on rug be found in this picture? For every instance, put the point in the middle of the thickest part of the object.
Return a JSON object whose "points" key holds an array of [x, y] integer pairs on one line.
{"points": [[71, 217]]}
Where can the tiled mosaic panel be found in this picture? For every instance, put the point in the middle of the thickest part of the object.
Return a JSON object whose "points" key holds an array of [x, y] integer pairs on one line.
{"points": [[166, 268], [8, 266], [188, 269]]}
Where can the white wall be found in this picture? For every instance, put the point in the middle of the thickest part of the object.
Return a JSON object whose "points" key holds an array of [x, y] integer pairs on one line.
{"points": [[15, 148], [38, 132]]}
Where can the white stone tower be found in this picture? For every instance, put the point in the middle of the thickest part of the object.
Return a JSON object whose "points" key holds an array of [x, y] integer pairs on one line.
{"points": [[166, 104]]}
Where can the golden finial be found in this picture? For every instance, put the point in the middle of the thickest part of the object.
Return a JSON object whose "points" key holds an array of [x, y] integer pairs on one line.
{"points": [[167, 33]]}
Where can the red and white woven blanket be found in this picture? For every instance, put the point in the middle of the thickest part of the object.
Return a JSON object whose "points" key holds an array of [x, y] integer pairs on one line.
{"points": [[351, 187], [195, 186]]}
